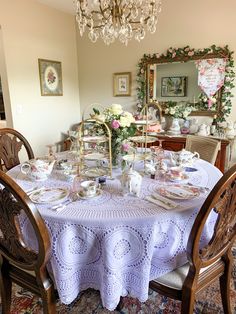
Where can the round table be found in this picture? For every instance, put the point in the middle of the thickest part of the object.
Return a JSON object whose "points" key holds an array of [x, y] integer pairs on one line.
{"points": [[116, 244]]}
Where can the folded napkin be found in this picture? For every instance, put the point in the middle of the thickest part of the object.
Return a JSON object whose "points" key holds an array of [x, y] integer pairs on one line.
{"points": [[182, 192], [165, 200], [166, 204]]}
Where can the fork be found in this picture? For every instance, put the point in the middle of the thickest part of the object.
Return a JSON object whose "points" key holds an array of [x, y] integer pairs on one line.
{"points": [[73, 197]]}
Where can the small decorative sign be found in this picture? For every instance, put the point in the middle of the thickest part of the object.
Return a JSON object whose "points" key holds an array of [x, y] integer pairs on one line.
{"points": [[50, 77]]}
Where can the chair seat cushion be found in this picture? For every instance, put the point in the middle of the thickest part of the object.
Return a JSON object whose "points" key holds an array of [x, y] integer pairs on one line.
{"points": [[175, 278]]}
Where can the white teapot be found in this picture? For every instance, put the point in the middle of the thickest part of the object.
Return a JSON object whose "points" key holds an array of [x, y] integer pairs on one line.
{"points": [[183, 158], [38, 169], [131, 182], [204, 130]]}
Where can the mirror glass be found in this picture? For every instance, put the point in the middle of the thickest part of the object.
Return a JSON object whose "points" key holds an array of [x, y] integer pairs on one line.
{"points": [[173, 77]]}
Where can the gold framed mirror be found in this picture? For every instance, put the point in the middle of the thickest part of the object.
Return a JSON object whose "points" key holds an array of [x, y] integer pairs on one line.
{"points": [[177, 67]]}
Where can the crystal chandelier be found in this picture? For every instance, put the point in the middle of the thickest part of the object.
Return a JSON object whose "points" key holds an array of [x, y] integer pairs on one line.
{"points": [[123, 19]]}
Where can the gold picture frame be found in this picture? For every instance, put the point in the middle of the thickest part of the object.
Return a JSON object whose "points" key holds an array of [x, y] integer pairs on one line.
{"points": [[50, 74], [122, 84]]}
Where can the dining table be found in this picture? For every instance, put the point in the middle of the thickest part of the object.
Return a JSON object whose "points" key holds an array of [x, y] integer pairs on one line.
{"points": [[117, 243]]}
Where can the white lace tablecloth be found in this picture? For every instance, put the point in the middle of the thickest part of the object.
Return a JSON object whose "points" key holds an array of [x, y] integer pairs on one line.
{"points": [[113, 243]]}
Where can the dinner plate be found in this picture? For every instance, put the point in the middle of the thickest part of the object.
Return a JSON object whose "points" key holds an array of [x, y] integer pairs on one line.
{"points": [[86, 197], [48, 195], [179, 192]]}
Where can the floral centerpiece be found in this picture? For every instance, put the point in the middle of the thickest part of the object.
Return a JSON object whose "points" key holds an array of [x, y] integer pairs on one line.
{"points": [[177, 110], [120, 123], [180, 110]]}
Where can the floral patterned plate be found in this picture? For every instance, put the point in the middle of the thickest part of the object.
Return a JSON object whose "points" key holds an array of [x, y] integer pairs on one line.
{"points": [[179, 191], [48, 195]]}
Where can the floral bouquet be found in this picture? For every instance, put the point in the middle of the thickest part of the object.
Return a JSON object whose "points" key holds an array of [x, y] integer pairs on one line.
{"points": [[120, 123], [179, 109]]}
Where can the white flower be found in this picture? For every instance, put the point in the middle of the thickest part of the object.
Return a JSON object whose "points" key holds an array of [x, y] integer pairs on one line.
{"points": [[172, 111], [124, 121], [116, 109]]}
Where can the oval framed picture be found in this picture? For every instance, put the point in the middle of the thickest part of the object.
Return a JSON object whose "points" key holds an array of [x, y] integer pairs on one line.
{"points": [[50, 74]]}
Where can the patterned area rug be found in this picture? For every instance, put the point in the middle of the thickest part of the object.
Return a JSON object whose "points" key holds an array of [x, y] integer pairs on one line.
{"points": [[88, 302]]}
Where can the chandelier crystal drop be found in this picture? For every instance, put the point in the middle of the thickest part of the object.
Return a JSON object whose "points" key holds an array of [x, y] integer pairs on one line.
{"points": [[122, 19]]}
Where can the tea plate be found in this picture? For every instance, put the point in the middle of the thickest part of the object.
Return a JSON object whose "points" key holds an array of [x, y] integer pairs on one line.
{"points": [[94, 172], [48, 195], [179, 192], [86, 197], [143, 139], [94, 139], [136, 157], [94, 156]]}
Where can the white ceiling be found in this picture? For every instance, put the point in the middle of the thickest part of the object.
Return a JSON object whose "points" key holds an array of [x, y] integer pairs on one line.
{"points": [[68, 6]]}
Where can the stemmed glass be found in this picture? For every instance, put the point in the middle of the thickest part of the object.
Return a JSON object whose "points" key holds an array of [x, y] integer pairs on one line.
{"points": [[160, 165]]}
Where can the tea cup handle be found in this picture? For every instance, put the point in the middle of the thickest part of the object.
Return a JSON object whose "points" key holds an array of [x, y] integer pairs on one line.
{"points": [[25, 168], [196, 155]]}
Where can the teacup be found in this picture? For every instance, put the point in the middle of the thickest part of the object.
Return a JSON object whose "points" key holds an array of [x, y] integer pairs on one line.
{"points": [[176, 172], [38, 169], [89, 188]]}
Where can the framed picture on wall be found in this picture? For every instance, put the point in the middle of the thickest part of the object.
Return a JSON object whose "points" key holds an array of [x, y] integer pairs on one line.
{"points": [[50, 75], [122, 84], [174, 86]]}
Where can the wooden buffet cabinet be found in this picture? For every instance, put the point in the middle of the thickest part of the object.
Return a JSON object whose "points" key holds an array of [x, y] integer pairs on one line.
{"points": [[176, 143]]}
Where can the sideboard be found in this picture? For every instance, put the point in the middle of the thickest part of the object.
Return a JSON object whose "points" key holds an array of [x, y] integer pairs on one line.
{"points": [[176, 143]]}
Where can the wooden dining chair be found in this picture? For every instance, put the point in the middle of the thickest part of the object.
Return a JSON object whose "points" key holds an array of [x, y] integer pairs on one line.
{"points": [[210, 261], [207, 148], [18, 262], [11, 143]]}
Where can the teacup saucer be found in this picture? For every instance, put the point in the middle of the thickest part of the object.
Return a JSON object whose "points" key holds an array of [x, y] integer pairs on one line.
{"points": [[180, 178], [85, 197]]}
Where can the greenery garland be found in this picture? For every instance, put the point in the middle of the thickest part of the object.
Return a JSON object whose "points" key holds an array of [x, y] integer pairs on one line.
{"points": [[185, 54]]}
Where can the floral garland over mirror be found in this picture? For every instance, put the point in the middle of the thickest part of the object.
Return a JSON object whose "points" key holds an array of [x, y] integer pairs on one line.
{"points": [[186, 54]]}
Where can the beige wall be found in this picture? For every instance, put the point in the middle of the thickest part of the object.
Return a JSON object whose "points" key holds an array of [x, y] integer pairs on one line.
{"points": [[196, 23], [30, 31]]}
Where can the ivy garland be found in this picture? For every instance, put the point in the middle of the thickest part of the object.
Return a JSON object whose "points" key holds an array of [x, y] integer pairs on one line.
{"points": [[185, 54]]}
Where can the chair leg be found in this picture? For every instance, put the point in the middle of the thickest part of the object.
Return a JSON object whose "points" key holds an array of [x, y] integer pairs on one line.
{"points": [[225, 286], [49, 300], [188, 300], [6, 291]]}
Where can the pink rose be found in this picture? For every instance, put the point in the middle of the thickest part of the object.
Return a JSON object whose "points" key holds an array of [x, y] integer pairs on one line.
{"points": [[190, 53], [115, 124], [125, 147]]}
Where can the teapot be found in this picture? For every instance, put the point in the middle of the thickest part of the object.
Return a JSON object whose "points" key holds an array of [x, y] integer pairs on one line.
{"points": [[131, 181], [184, 158], [204, 130], [38, 169], [230, 131]]}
